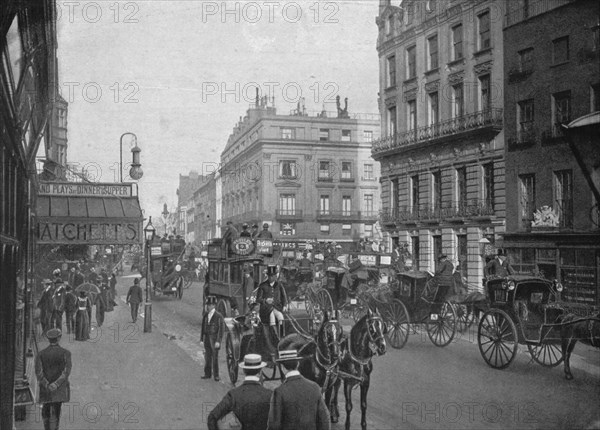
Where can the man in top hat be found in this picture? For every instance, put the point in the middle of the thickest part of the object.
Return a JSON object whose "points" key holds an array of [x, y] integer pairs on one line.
{"points": [[134, 298], [297, 403], [499, 266], [272, 299], [52, 368], [249, 402], [211, 335], [45, 304], [265, 233]]}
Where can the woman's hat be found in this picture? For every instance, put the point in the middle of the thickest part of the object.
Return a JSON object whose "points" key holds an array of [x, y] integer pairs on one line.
{"points": [[288, 355], [211, 300], [252, 362]]}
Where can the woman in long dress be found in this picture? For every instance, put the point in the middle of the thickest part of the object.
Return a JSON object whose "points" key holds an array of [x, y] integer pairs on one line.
{"points": [[82, 319]]}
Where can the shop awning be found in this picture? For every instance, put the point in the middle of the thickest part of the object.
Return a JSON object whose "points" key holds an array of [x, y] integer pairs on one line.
{"points": [[84, 220]]}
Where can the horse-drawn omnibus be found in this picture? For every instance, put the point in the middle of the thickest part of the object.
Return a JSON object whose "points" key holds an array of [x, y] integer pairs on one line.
{"points": [[166, 259]]}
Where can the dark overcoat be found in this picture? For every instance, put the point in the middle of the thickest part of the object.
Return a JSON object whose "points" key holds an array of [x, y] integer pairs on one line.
{"points": [[275, 292], [250, 404], [443, 274], [53, 365], [212, 331]]}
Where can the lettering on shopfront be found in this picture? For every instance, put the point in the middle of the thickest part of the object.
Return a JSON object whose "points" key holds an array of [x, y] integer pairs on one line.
{"points": [[85, 233], [86, 190]]}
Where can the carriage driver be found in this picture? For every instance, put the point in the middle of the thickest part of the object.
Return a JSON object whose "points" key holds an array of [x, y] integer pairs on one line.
{"points": [[272, 298]]}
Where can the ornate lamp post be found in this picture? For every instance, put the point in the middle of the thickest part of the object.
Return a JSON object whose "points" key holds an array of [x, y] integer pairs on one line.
{"points": [[136, 171], [149, 235]]}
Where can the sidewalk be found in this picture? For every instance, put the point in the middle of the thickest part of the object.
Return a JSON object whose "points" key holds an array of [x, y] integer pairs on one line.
{"points": [[123, 378]]}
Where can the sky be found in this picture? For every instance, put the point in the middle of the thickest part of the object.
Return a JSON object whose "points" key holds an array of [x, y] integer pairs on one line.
{"points": [[179, 74]]}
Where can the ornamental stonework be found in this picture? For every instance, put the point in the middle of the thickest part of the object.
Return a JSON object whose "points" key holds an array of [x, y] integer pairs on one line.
{"points": [[483, 68]]}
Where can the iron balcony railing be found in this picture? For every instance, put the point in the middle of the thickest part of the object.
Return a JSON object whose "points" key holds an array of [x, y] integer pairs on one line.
{"points": [[466, 209], [461, 124], [287, 214], [326, 215]]}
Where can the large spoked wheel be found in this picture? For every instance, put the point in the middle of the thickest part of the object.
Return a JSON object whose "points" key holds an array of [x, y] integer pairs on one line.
{"points": [[224, 308], [230, 353], [497, 338], [324, 300], [548, 353], [465, 316], [396, 317], [442, 329]]}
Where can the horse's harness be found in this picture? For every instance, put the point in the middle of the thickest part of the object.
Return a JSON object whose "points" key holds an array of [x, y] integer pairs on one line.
{"points": [[330, 366]]}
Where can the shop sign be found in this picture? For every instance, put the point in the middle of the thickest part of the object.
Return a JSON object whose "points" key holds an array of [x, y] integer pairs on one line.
{"points": [[242, 246], [51, 231], [368, 260], [155, 251], [70, 189], [264, 246]]}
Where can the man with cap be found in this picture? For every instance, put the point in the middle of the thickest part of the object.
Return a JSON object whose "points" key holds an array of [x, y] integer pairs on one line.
{"points": [[245, 232], [249, 402], [297, 403], [134, 298], [211, 335], [499, 266], [52, 368], [265, 233], [273, 300]]}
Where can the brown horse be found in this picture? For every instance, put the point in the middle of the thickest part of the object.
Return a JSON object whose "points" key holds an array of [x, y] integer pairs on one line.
{"points": [[574, 328]]}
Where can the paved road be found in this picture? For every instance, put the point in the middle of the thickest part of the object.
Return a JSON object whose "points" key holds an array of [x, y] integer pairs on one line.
{"points": [[426, 387]]}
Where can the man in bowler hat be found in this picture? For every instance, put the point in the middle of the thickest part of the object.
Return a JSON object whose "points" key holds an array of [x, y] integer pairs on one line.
{"points": [[249, 402], [52, 368], [211, 335], [134, 298], [297, 403]]}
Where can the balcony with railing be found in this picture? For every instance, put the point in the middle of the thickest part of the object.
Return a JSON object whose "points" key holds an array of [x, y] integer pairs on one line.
{"points": [[531, 9], [449, 211], [288, 214], [489, 120], [346, 216]]}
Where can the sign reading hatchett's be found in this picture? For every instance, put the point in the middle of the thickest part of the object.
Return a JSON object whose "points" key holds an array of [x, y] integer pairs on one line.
{"points": [[69, 189], [109, 232]]}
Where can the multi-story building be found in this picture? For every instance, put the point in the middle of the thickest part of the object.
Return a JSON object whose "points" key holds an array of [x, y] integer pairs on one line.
{"points": [[308, 176], [552, 77], [187, 185], [442, 145], [205, 209]]}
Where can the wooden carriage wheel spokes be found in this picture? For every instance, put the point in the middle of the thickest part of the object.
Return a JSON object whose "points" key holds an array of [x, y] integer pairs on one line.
{"points": [[396, 317], [324, 300], [465, 316], [232, 364], [497, 338], [442, 331], [546, 354]]}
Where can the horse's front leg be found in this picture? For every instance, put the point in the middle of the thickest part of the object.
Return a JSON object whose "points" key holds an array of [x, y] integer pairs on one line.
{"points": [[364, 389], [348, 395], [333, 402], [568, 344]]}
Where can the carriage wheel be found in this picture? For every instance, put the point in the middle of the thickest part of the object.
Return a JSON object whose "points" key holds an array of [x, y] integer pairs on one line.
{"points": [[232, 363], [465, 315], [497, 338], [396, 317], [224, 308], [324, 300], [442, 331], [547, 354]]}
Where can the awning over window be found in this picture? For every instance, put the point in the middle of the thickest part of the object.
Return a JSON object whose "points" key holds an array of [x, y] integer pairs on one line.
{"points": [[81, 220]]}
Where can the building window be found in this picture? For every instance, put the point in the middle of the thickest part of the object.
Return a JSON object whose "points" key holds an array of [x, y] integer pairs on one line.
{"points": [[324, 134], [526, 199], [434, 109], [368, 230], [414, 180], [287, 133], [287, 169], [432, 48], [411, 121], [437, 190], [484, 39], [560, 50], [346, 170], [324, 170], [346, 205], [437, 249], [457, 42], [526, 60], [563, 197], [392, 120], [324, 204], [368, 172], [391, 71], [287, 204], [485, 92], [389, 24], [346, 229], [458, 104], [595, 98], [411, 62], [562, 110], [324, 228], [368, 204], [415, 249], [462, 253], [346, 135], [488, 186], [461, 186], [525, 115], [395, 198], [62, 118], [368, 135]]}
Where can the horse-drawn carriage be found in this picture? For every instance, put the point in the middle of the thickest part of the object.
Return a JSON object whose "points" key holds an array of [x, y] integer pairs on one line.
{"points": [[166, 259]]}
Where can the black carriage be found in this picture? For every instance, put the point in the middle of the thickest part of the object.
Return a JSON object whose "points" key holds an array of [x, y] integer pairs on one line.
{"points": [[522, 310], [166, 263]]}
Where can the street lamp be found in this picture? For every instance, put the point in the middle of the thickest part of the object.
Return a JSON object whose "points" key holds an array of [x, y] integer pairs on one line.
{"points": [[149, 235], [165, 214], [136, 171]]}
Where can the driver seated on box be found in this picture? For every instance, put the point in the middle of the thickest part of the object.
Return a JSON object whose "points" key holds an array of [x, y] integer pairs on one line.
{"points": [[272, 299]]}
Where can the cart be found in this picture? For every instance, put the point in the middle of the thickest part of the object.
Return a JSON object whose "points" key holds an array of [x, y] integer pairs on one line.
{"points": [[522, 310]]}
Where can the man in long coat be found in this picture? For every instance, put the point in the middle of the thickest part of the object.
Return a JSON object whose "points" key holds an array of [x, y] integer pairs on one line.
{"points": [[272, 298], [52, 368], [249, 402], [45, 304], [134, 298], [445, 280], [211, 335]]}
